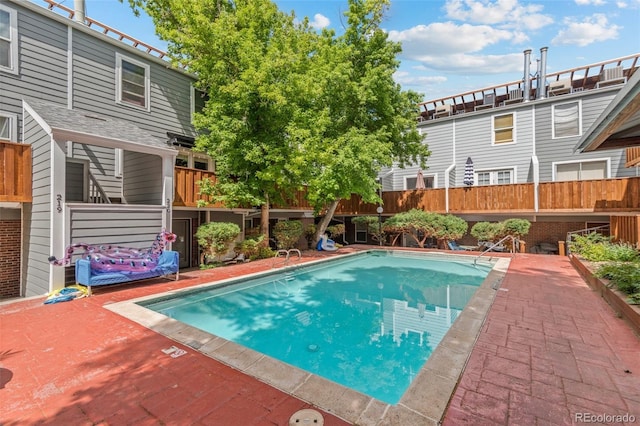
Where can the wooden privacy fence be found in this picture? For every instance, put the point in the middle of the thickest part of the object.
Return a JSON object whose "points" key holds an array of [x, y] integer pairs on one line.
{"points": [[15, 172], [599, 195], [187, 189], [626, 229]]}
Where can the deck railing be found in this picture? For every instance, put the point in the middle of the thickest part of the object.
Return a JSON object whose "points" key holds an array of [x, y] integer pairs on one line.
{"points": [[597, 196], [633, 157], [618, 195], [187, 189], [15, 172]]}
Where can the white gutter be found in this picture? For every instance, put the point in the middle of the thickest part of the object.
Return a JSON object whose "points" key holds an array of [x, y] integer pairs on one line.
{"points": [[536, 182], [446, 186]]}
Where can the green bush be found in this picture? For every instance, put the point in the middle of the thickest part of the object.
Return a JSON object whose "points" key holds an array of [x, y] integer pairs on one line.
{"points": [[287, 233], [215, 238], [624, 275], [485, 231], [250, 247], [598, 248], [517, 228]]}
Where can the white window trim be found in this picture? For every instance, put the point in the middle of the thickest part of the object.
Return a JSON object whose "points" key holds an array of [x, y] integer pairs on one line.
{"points": [[553, 121], [514, 171], [13, 22], [514, 129], [192, 156], [554, 166], [357, 231], [13, 125], [147, 82], [433, 175]]}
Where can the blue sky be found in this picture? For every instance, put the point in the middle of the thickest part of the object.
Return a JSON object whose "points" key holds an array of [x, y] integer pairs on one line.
{"points": [[454, 46]]}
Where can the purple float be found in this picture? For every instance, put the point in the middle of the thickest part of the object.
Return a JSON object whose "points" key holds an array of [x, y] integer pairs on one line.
{"points": [[108, 258]]}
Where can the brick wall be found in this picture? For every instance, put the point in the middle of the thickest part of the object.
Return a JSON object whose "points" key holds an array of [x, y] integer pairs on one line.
{"points": [[9, 258]]}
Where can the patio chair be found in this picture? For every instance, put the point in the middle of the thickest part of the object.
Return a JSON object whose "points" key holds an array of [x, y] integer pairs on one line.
{"points": [[456, 247]]}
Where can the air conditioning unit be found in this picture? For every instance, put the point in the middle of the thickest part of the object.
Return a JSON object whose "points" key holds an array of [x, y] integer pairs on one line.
{"points": [[560, 85], [443, 110]]}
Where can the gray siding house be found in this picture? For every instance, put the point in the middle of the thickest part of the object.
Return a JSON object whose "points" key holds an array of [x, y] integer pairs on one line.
{"points": [[101, 116], [512, 139]]}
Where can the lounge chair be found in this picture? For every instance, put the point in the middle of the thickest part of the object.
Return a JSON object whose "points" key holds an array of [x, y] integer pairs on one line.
{"points": [[454, 246]]}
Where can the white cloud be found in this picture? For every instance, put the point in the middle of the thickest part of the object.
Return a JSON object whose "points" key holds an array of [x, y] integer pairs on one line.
{"points": [[628, 4], [408, 79], [592, 29], [320, 21], [447, 38], [507, 13], [590, 2]]}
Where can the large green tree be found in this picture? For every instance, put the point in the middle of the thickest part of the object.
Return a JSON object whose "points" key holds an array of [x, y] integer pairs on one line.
{"points": [[252, 60], [364, 120], [288, 106]]}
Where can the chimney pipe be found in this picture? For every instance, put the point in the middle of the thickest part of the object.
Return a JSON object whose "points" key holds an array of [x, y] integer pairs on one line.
{"points": [[527, 79], [541, 89], [79, 11]]}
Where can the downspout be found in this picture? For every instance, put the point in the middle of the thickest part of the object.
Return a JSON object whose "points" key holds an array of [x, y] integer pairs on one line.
{"points": [[535, 163], [446, 186], [449, 169]]}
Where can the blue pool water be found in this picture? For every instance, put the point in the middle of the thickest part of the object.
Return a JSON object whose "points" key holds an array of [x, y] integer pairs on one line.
{"points": [[368, 322]]}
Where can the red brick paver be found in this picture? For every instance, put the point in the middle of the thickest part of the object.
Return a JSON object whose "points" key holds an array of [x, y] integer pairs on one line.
{"points": [[550, 352], [550, 349]]}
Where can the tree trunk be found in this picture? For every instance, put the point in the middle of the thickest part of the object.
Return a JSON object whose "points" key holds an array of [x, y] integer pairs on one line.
{"points": [[264, 221], [326, 219]]}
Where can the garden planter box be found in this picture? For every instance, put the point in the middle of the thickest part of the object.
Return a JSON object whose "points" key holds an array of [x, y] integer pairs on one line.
{"points": [[615, 298]]}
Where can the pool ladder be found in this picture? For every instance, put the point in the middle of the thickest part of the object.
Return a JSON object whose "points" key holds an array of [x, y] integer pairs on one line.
{"points": [[282, 257], [514, 243]]}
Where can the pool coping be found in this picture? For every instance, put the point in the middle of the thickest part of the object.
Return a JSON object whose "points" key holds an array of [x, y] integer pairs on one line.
{"points": [[424, 402]]}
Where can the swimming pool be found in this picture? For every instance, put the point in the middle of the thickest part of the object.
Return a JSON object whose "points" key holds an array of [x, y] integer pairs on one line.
{"points": [[424, 402], [368, 322]]}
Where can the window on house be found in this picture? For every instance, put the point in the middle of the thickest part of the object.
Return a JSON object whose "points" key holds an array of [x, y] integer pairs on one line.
{"points": [[182, 160], [429, 182], [503, 129], [494, 177], [361, 233], [567, 120], [581, 170], [200, 163], [8, 126], [8, 40], [132, 82], [198, 99]]}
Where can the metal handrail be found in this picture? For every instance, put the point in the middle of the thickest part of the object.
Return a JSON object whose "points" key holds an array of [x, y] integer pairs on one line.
{"points": [[287, 256], [513, 247], [584, 232]]}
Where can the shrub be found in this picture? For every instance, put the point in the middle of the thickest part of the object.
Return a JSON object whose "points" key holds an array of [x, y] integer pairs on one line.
{"points": [[625, 276], [598, 248], [517, 228], [451, 227], [485, 231], [251, 246], [287, 233], [215, 238]]}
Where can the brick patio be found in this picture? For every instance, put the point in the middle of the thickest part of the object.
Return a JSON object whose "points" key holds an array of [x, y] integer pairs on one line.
{"points": [[550, 350]]}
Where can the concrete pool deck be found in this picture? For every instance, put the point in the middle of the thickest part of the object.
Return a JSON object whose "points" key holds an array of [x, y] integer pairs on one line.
{"points": [[549, 351]]}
